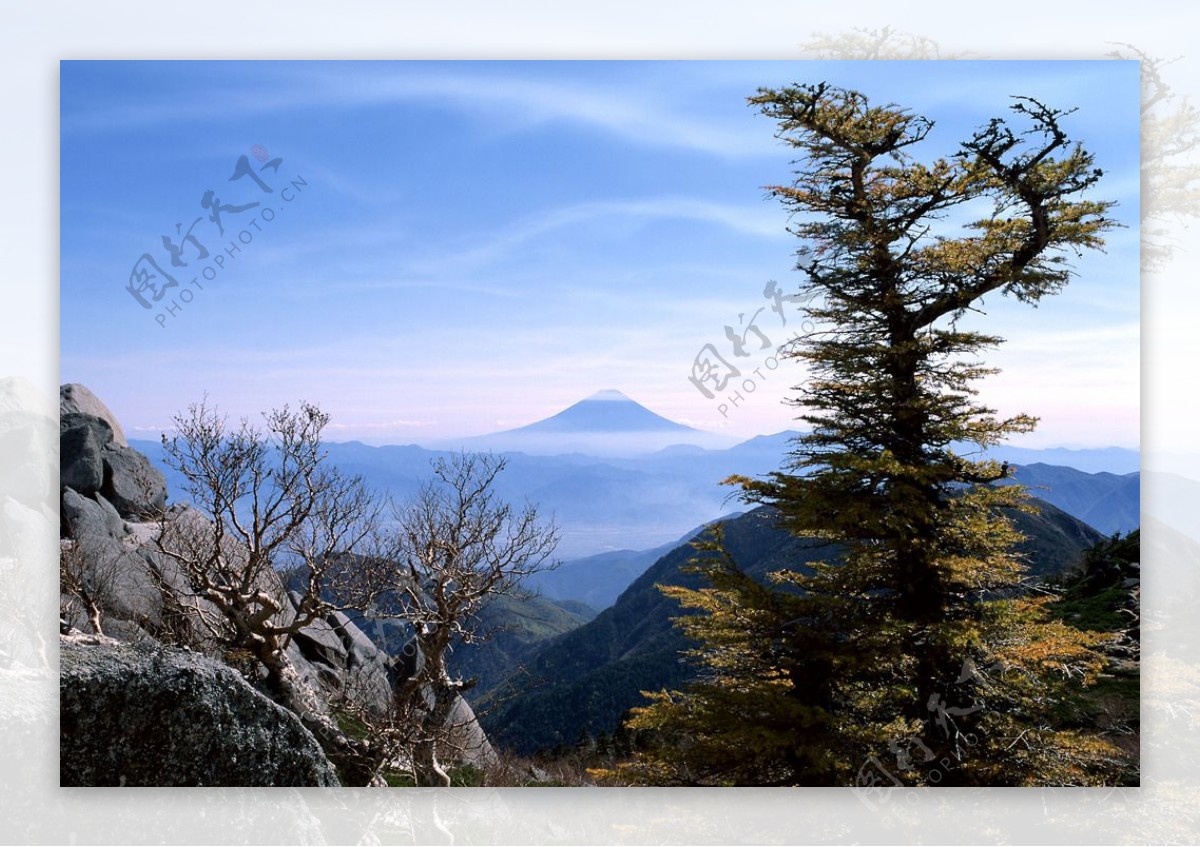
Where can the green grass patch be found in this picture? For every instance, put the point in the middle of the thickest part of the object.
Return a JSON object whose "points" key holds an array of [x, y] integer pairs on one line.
{"points": [[1097, 612], [461, 776], [398, 779], [351, 725]]}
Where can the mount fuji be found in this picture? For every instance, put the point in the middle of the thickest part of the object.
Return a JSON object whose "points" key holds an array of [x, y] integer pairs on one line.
{"points": [[607, 423]]}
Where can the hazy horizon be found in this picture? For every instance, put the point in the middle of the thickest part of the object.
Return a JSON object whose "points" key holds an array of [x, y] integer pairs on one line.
{"points": [[682, 439]]}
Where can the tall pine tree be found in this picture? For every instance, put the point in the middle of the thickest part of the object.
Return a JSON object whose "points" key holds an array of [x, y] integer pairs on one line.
{"points": [[916, 653]]}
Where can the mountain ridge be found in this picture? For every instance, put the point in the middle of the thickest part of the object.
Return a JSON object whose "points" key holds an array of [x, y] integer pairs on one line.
{"points": [[608, 410], [605, 423], [607, 500], [582, 682], [605, 504]]}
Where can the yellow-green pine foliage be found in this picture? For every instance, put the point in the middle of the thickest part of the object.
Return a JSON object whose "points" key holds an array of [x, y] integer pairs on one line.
{"points": [[759, 714]]}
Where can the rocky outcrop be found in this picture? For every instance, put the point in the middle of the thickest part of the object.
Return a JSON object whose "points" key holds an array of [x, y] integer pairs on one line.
{"points": [[92, 461], [91, 516], [116, 564], [74, 398], [134, 486], [163, 716], [81, 465], [110, 497], [335, 659]]}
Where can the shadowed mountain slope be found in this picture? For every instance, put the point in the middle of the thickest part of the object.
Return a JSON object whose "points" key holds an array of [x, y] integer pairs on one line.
{"points": [[581, 683]]}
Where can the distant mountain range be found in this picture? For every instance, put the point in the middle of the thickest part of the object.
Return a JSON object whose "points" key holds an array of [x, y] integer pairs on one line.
{"points": [[598, 580], [608, 503], [1105, 501], [1116, 460]]}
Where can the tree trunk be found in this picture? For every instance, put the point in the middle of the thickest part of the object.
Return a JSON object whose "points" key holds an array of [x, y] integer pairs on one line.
{"points": [[355, 765], [427, 771], [93, 610], [435, 732]]}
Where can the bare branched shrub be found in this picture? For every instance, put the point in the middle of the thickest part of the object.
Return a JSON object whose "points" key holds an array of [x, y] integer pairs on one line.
{"points": [[456, 545], [266, 499], [88, 574]]}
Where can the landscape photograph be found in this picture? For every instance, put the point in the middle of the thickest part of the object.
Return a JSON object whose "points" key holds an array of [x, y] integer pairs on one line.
{"points": [[600, 423]]}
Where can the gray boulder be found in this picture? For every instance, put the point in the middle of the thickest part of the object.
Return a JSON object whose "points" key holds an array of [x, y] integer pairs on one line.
{"points": [[90, 518], [94, 457], [80, 465], [318, 642], [76, 398], [113, 563], [132, 484], [335, 657], [103, 429], [361, 650], [368, 668], [468, 742], [81, 442], [161, 716]]}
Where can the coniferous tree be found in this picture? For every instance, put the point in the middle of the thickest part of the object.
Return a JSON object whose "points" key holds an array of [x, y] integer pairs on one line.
{"points": [[942, 664], [760, 713]]}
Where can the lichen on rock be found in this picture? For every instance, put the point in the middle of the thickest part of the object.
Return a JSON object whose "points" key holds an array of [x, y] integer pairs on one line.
{"points": [[164, 716]]}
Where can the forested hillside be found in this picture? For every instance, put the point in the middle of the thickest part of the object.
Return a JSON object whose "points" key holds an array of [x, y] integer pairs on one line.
{"points": [[581, 683]]}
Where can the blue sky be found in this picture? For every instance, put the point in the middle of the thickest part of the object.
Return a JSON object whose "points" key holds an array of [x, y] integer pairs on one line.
{"points": [[456, 248]]}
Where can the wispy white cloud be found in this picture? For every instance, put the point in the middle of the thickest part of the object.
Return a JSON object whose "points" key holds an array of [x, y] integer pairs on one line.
{"points": [[499, 97], [386, 254], [645, 117], [762, 224]]}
